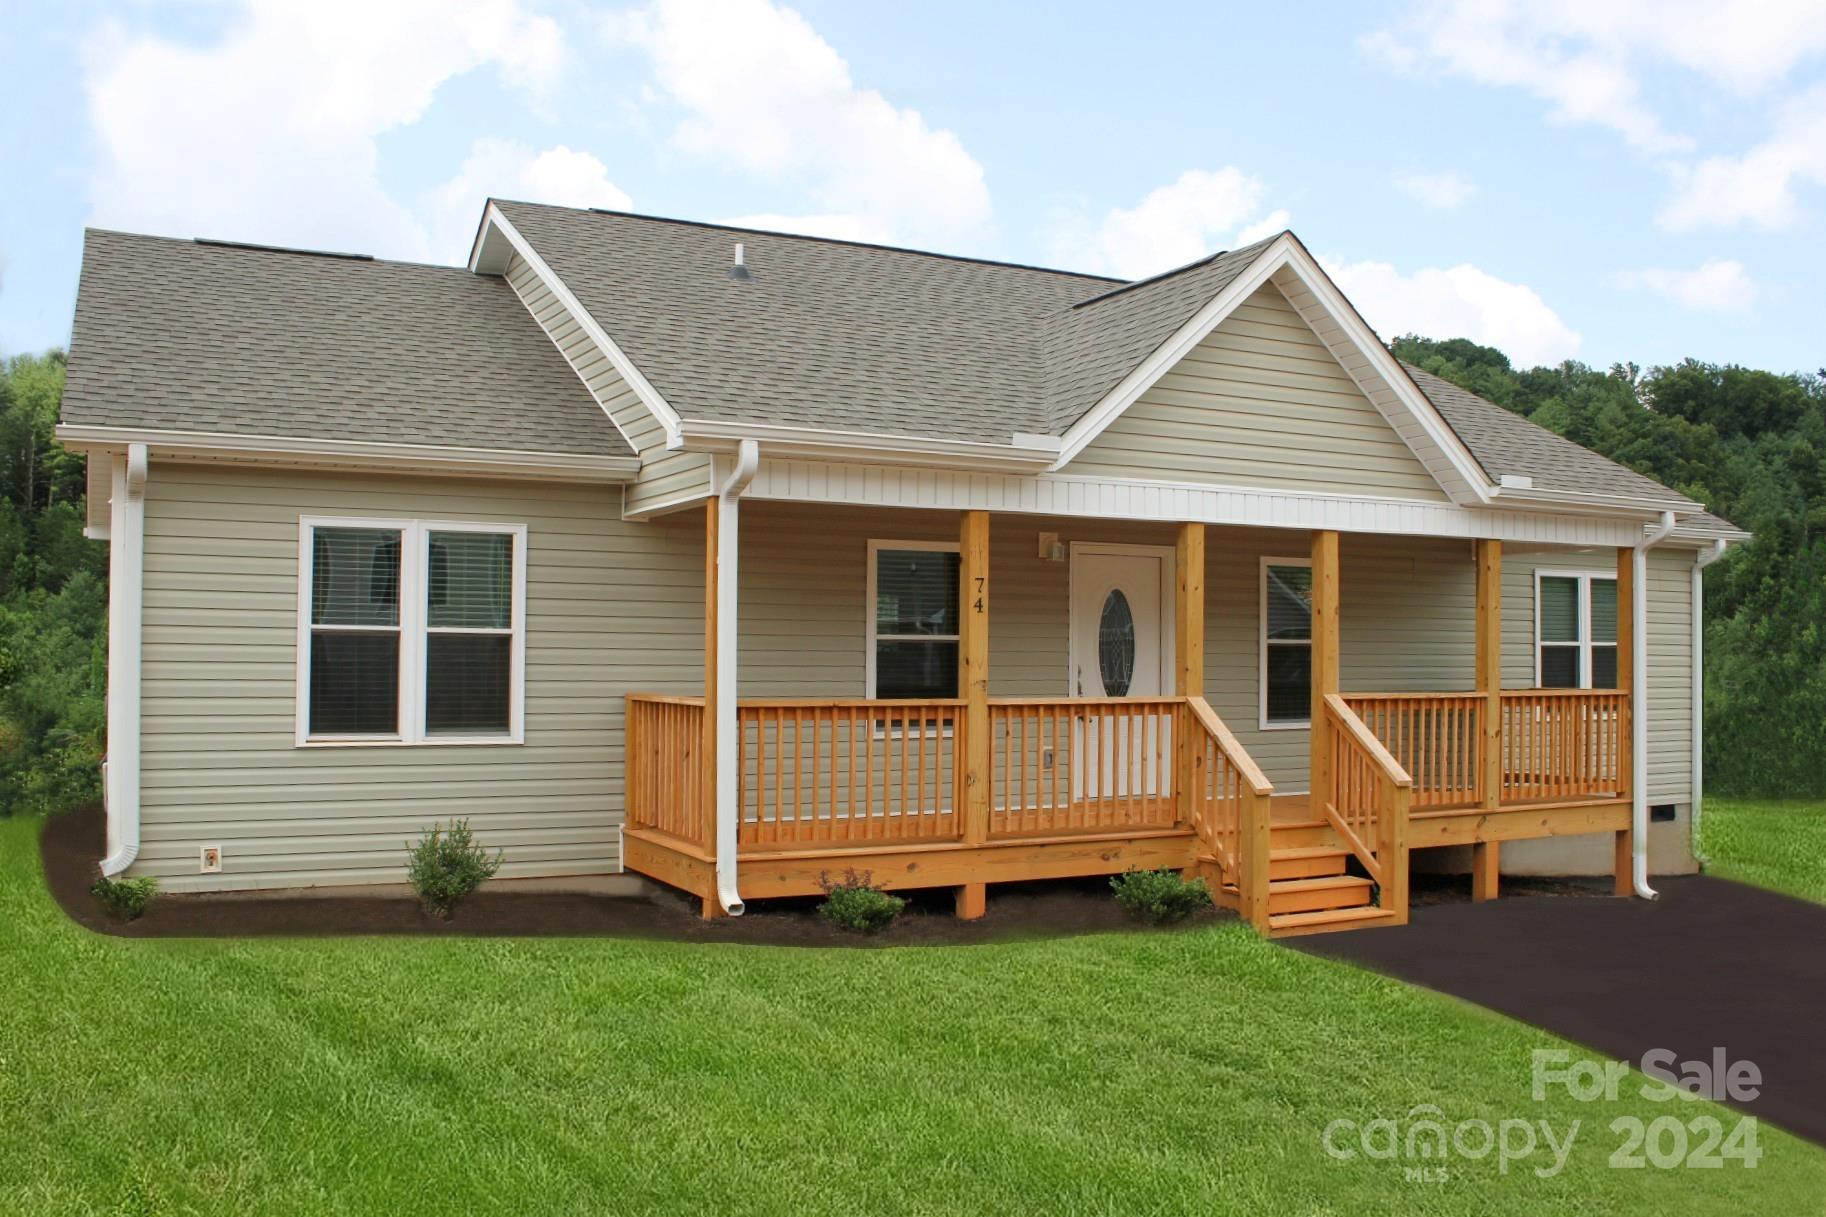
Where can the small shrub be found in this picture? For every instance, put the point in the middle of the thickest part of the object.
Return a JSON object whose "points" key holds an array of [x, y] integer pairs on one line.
{"points": [[1160, 897], [856, 905], [446, 865], [125, 898]]}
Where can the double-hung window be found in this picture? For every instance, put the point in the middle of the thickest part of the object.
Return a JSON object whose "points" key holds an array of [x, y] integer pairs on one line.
{"points": [[1286, 672], [1575, 621], [913, 624], [410, 631]]}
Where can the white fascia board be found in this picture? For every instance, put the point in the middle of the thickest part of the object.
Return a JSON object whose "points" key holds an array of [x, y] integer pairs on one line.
{"points": [[1167, 502], [326, 453], [486, 255], [1025, 453], [1444, 455]]}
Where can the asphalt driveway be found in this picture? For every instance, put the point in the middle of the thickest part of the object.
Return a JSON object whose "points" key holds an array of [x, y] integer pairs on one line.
{"points": [[1712, 964]]}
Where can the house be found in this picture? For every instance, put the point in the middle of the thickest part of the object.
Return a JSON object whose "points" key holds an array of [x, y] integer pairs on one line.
{"points": [[736, 558]]}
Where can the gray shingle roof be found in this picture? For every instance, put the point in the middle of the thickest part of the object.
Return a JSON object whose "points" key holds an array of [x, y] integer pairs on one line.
{"points": [[1506, 443], [826, 334], [186, 336]]}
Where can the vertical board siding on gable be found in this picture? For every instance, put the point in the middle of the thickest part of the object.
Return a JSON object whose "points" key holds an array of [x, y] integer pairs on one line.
{"points": [[611, 607], [613, 393], [1260, 402]]}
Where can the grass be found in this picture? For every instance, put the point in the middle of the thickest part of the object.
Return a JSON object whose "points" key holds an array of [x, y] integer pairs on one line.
{"points": [[1773, 844], [1149, 1073]]}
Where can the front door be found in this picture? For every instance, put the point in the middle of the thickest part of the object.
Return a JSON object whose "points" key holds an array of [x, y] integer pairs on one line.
{"points": [[1119, 631]]}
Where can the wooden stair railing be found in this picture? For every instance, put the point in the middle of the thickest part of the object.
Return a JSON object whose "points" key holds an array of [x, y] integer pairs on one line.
{"points": [[1228, 804], [1367, 804]]}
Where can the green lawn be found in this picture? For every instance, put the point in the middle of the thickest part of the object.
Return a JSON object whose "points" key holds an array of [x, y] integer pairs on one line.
{"points": [[1779, 844], [1186, 1072]]}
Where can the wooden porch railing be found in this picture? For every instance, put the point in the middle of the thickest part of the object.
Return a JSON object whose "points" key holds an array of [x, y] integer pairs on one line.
{"points": [[1563, 744], [664, 743], [1367, 802], [1436, 737], [819, 772], [1081, 764], [1229, 804]]}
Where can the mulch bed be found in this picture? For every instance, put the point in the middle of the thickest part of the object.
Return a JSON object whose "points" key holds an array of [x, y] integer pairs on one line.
{"points": [[71, 844]]}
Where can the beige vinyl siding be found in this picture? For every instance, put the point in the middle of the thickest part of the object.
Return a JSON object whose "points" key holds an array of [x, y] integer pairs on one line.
{"points": [[611, 391], [1670, 650], [1260, 402], [666, 480], [611, 607]]}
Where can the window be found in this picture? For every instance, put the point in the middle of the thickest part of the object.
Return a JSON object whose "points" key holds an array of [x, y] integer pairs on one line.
{"points": [[410, 632], [912, 625], [1575, 630], [1286, 676]]}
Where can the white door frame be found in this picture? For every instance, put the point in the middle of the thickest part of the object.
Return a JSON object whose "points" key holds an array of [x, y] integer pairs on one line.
{"points": [[1168, 572]]}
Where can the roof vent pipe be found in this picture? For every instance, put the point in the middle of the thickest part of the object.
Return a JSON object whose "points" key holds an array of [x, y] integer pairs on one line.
{"points": [[739, 269]]}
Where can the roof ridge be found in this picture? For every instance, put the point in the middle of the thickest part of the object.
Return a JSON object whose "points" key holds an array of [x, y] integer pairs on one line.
{"points": [[1178, 270], [802, 236], [260, 247]]}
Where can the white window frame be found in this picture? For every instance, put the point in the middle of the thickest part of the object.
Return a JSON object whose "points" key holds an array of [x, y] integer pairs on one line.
{"points": [[414, 630], [1263, 643], [1585, 579], [869, 608]]}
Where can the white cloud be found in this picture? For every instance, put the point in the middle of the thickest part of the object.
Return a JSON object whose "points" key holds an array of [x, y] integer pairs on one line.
{"points": [[1175, 224], [269, 132], [1715, 286], [1758, 187], [763, 92], [1444, 190], [500, 168], [1586, 58], [1460, 302]]}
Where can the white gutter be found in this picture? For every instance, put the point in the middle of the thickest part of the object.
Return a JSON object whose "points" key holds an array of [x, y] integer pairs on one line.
{"points": [[728, 496], [1705, 559], [126, 564], [1638, 701]]}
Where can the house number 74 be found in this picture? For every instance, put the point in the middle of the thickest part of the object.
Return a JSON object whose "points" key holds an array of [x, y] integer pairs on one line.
{"points": [[982, 583]]}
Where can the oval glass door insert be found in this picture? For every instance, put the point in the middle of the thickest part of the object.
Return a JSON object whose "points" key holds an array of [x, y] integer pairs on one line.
{"points": [[1116, 645]]}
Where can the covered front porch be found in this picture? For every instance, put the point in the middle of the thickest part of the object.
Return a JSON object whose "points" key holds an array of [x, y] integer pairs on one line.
{"points": [[973, 789]]}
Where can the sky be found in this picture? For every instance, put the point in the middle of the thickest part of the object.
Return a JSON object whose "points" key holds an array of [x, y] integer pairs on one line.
{"points": [[1602, 180]]}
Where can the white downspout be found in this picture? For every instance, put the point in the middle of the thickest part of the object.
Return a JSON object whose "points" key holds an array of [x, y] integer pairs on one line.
{"points": [[1706, 558], [728, 496], [126, 595], [1638, 700]]}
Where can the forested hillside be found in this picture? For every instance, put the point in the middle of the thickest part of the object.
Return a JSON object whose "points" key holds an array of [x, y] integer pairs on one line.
{"points": [[1751, 446], [53, 603]]}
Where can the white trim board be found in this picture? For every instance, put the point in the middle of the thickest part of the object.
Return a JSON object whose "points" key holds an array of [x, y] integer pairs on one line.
{"points": [[486, 258], [1344, 333], [293, 451], [1116, 499]]}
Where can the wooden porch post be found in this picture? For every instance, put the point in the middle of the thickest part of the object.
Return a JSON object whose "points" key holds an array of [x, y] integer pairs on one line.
{"points": [[1188, 657], [1486, 860], [973, 683], [1324, 662], [1189, 613], [1626, 666], [706, 748]]}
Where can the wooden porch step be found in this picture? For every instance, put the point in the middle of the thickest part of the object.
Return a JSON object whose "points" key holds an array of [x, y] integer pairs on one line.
{"points": [[1304, 834], [1306, 862], [1312, 895], [1326, 921]]}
